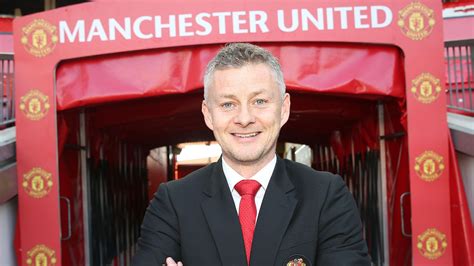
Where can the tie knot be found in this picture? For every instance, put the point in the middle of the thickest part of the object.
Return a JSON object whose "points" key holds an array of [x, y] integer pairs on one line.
{"points": [[247, 187]]}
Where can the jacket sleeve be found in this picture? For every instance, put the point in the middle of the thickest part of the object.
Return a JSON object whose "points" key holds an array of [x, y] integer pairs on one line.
{"points": [[159, 237], [340, 240]]}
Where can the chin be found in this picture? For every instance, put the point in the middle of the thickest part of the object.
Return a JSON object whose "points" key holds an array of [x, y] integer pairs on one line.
{"points": [[246, 157]]}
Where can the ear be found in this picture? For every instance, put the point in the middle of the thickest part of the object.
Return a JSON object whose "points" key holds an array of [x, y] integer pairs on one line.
{"points": [[285, 109], [207, 115]]}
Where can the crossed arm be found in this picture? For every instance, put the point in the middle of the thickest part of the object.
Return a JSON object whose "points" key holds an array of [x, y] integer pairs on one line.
{"points": [[340, 240], [159, 238]]}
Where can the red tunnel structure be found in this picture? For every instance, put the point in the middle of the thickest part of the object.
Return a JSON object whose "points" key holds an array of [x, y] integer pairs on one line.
{"points": [[98, 88]]}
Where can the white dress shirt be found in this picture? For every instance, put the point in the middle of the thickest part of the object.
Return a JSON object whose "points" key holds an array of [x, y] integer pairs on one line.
{"points": [[263, 177]]}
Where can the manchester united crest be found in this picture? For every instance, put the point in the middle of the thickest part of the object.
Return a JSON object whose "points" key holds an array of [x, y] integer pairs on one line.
{"points": [[429, 166], [41, 255], [37, 182], [426, 88], [416, 21], [432, 244], [39, 37], [297, 261], [34, 104]]}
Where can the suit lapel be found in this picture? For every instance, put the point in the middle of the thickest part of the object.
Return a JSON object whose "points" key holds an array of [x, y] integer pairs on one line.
{"points": [[275, 214], [219, 210]]}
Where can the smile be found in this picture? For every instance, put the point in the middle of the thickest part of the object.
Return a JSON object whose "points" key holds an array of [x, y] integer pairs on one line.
{"points": [[249, 135]]}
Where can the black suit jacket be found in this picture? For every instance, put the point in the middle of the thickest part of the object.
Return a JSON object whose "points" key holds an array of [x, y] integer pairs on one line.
{"points": [[305, 214]]}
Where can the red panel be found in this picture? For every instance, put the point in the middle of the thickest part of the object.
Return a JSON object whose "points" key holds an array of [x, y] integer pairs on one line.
{"points": [[6, 35], [428, 133], [6, 25], [457, 3], [328, 68]]}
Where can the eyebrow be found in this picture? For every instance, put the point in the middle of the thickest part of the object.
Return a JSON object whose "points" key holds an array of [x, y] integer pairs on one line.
{"points": [[257, 93], [232, 96], [226, 96]]}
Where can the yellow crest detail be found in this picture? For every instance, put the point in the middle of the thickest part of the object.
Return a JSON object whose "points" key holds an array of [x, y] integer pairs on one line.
{"points": [[426, 88], [34, 104], [429, 166], [416, 21], [296, 262], [41, 255], [39, 37], [37, 182], [432, 243]]}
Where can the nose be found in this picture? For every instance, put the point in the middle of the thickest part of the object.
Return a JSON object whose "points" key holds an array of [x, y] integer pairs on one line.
{"points": [[245, 116]]}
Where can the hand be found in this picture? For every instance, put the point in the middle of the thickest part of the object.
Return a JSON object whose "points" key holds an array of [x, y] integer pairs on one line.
{"points": [[170, 262]]}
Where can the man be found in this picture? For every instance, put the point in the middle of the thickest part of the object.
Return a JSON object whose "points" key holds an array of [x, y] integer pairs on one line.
{"points": [[251, 207]]}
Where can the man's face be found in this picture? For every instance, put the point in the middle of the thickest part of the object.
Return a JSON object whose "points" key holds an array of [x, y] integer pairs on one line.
{"points": [[245, 111]]}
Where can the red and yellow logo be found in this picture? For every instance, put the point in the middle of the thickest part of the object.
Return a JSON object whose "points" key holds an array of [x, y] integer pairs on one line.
{"points": [[296, 262], [41, 255], [39, 37], [416, 21], [37, 182], [432, 244], [35, 104], [429, 166], [426, 88]]}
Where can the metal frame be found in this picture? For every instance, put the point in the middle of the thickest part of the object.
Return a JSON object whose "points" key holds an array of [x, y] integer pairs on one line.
{"points": [[85, 186], [460, 94], [383, 185]]}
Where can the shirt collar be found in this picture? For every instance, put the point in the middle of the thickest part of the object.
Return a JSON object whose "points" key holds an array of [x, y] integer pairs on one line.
{"points": [[263, 176]]}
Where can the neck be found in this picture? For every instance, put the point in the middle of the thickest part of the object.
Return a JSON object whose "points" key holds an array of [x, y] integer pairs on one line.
{"points": [[248, 169]]}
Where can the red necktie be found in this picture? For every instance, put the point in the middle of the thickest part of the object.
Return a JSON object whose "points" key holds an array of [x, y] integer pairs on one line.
{"points": [[247, 211]]}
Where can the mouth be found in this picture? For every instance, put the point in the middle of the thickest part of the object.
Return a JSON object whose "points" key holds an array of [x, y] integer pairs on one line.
{"points": [[246, 135]]}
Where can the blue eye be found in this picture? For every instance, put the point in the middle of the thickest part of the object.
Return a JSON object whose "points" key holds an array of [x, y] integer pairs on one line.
{"points": [[260, 101], [227, 105]]}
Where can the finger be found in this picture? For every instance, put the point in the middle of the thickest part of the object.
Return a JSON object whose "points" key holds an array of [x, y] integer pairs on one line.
{"points": [[170, 262], [180, 263]]}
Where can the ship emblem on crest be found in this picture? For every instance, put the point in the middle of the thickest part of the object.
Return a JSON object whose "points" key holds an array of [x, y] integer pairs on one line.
{"points": [[432, 244], [37, 182], [416, 21], [426, 88], [41, 255], [39, 37], [34, 104], [429, 166]]}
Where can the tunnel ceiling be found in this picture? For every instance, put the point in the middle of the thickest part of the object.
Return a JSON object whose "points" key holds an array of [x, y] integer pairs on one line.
{"points": [[175, 119]]}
